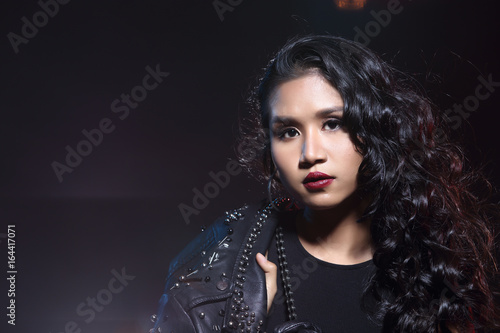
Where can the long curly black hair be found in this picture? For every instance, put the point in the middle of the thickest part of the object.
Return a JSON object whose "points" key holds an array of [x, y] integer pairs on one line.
{"points": [[432, 223]]}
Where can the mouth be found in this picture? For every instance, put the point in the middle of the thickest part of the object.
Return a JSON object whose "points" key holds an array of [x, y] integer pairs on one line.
{"points": [[317, 180]]}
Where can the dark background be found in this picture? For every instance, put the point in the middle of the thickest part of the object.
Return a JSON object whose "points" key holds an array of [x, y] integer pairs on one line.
{"points": [[118, 209]]}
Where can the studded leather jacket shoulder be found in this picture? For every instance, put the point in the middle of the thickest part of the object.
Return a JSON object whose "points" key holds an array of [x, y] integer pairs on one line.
{"points": [[215, 283]]}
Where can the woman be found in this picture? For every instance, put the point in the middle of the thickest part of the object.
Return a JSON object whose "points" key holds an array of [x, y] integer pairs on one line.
{"points": [[382, 229]]}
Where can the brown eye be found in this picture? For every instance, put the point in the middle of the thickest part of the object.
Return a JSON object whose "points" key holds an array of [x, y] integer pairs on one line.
{"points": [[288, 133], [333, 124]]}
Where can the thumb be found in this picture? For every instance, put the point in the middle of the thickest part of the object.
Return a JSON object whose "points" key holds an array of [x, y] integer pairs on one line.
{"points": [[271, 273], [267, 266]]}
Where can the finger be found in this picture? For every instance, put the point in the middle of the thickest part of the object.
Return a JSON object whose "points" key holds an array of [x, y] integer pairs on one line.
{"points": [[266, 265], [271, 272]]}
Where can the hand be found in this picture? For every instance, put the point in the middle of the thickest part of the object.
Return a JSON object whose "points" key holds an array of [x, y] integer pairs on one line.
{"points": [[271, 272]]}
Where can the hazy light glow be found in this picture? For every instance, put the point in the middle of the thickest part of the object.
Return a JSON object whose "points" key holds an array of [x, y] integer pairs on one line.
{"points": [[350, 4]]}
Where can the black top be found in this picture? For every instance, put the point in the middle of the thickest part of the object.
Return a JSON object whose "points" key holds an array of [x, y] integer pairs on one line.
{"points": [[325, 294]]}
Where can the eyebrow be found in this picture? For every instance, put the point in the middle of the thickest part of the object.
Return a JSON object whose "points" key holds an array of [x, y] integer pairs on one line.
{"points": [[275, 120]]}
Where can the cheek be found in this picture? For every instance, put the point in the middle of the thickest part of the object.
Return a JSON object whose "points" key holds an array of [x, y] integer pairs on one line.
{"points": [[357, 157], [278, 157], [354, 160], [345, 157], [284, 161]]}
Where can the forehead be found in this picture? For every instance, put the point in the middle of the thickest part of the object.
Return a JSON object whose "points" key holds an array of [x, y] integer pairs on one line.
{"points": [[307, 94]]}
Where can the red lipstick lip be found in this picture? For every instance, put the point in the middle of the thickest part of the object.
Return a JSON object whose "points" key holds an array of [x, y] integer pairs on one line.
{"points": [[315, 176], [317, 180]]}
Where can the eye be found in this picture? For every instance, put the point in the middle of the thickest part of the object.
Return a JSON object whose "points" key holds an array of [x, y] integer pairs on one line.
{"points": [[333, 124], [288, 133]]}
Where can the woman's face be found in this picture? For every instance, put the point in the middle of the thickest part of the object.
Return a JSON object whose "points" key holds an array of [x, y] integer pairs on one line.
{"points": [[315, 158]]}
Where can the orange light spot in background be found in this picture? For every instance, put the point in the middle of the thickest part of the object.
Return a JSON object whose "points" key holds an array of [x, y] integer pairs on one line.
{"points": [[350, 4]]}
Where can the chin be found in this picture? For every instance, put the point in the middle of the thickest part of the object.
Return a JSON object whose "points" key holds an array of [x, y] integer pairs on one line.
{"points": [[319, 201]]}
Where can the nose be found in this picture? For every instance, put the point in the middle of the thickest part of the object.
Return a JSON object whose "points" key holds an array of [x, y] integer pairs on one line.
{"points": [[313, 150]]}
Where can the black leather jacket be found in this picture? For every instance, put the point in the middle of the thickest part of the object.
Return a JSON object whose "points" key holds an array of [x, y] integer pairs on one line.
{"points": [[215, 283]]}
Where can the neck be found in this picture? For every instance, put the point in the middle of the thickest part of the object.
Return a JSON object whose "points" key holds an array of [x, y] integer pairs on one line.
{"points": [[335, 235]]}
